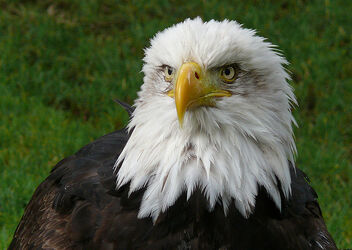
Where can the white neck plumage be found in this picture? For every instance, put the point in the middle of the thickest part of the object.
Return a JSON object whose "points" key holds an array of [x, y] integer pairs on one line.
{"points": [[227, 159]]}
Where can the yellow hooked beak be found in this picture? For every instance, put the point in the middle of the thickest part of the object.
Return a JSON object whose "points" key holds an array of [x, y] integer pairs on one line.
{"points": [[193, 89]]}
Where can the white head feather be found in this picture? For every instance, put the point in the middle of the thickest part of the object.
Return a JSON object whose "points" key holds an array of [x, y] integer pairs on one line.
{"points": [[226, 151]]}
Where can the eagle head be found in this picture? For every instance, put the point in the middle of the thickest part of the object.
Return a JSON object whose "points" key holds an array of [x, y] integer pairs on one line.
{"points": [[214, 114]]}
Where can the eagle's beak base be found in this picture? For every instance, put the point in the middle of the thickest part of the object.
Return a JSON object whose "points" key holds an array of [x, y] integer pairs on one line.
{"points": [[193, 89]]}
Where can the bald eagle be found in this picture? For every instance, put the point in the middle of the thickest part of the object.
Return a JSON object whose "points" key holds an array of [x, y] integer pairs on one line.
{"points": [[206, 161]]}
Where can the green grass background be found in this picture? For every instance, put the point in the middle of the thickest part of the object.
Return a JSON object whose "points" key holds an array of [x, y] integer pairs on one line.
{"points": [[63, 62]]}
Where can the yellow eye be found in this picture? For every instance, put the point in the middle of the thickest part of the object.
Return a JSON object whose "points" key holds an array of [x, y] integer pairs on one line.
{"points": [[169, 73], [228, 73]]}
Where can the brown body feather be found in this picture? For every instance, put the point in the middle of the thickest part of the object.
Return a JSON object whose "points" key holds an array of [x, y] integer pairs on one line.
{"points": [[77, 207]]}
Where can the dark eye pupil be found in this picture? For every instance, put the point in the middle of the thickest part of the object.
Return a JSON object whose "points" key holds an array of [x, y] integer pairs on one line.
{"points": [[169, 71], [227, 71]]}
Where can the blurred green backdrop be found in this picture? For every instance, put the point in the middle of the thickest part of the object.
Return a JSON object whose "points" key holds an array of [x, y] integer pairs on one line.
{"points": [[63, 62]]}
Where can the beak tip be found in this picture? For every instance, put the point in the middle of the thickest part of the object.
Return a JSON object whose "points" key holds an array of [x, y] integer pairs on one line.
{"points": [[180, 121], [181, 110]]}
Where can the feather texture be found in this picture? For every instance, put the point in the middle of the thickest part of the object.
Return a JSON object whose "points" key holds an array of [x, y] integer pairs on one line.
{"points": [[78, 207]]}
